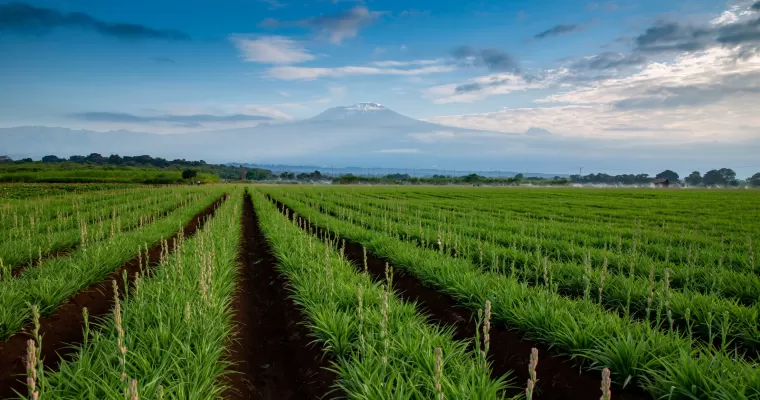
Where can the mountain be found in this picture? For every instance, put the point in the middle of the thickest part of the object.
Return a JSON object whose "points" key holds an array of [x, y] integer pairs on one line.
{"points": [[353, 135]]}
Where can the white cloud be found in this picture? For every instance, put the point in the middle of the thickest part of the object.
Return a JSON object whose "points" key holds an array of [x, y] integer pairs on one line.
{"points": [[391, 63], [271, 50], [398, 151], [310, 73], [489, 85]]}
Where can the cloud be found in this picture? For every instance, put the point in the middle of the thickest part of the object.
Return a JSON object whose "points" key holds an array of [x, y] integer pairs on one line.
{"points": [[608, 60], [271, 50], [335, 27], [695, 96], [185, 120], [558, 30], [23, 18], [399, 151], [755, 7], [309, 73], [391, 63], [494, 60], [676, 37], [493, 84]]}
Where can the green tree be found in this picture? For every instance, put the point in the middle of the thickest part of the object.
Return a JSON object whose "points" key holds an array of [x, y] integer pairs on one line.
{"points": [[694, 179], [754, 180], [519, 177], [668, 174], [723, 176], [189, 174]]}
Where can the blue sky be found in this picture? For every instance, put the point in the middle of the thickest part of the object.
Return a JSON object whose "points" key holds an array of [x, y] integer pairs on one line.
{"points": [[610, 70]]}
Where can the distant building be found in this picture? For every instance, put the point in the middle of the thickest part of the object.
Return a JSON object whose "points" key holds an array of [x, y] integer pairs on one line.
{"points": [[661, 182]]}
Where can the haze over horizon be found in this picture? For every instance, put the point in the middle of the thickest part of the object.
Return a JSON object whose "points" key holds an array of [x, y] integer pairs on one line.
{"points": [[611, 85]]}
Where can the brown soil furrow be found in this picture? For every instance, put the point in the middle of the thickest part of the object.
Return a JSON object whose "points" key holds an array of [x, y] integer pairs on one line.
{"points": [[272, 351], [558, 377], [63, 252], [64, 328]]}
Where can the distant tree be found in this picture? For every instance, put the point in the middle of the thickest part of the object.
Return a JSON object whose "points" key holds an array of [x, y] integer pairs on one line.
{"points": [[189, 174], [115, 159], [754, 180], [24, 161], [519, 176], [472, 178], [667, 174], [77, 159], [723, 176], [52, 159], [348, 179], [694, 179], [5, 159], [95, 158]]}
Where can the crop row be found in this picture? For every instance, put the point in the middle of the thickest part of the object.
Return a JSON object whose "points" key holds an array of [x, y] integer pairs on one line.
{"points": [[571, 240], [652, 298], [55, 280], [29, 246], [710, 212], [381, 346], [490, 247], [52, 207], [167, 335], [665, 363]]}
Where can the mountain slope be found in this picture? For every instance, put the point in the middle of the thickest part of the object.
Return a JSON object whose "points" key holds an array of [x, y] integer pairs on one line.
{"points": [[362, 127]]}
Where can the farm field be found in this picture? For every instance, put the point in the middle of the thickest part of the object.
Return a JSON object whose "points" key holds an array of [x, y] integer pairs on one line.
{"points": [[309, 292]]}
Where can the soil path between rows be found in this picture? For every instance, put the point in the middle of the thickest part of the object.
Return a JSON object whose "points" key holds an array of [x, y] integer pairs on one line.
{"points": [[64, 328], [558, 377], [272, 351]]}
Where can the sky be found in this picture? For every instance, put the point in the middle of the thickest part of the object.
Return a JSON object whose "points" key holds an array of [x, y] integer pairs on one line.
{"points": [[630, 72]]}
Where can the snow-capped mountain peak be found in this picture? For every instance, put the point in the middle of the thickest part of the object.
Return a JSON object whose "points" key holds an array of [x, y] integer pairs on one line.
{"points": [[364, 107]]}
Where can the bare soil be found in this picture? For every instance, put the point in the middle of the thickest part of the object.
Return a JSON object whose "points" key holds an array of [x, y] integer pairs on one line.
{"points": [[272, 351]]}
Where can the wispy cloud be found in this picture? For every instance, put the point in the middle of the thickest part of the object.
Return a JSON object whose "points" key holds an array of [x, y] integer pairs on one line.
{"points": [[493, 59], [271, 50], [558, 30], [335, 27], [398, 151], [391, 63], [608, 60], [99, 116], [309, 73], [24, 18]]}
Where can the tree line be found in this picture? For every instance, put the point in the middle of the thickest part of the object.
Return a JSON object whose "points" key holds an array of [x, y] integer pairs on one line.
{"points": [[713, 177]]}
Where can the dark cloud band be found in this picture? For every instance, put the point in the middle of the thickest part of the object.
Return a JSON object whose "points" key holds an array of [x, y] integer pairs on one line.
{"points": [[22, 17], [557, 30]]}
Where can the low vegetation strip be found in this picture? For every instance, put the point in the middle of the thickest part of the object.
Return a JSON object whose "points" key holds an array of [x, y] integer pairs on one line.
{"points": [[640, 244], [67, 326], [381, 347], [665, 364], [52, 282], [166, 335], [507, 349], [32, 245], [665, 302]]}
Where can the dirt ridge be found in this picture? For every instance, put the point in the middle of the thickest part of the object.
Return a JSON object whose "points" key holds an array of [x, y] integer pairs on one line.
{"points": [[63, 329], [272, 351]]}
